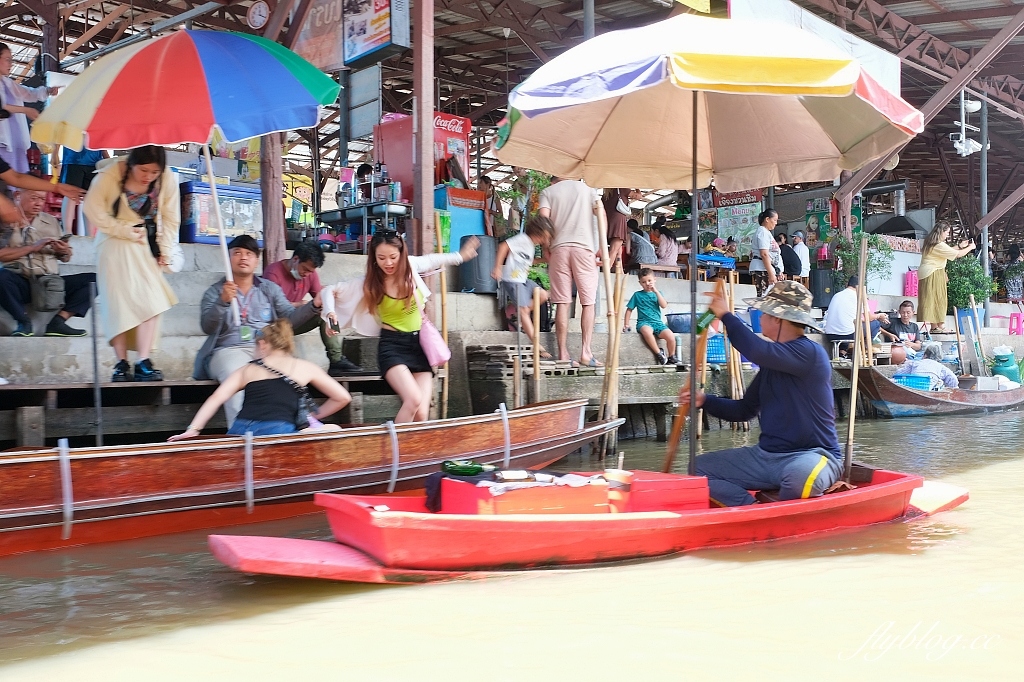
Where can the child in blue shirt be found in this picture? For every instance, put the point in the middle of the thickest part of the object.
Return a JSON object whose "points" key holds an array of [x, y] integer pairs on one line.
{"points": [[648, 304]]}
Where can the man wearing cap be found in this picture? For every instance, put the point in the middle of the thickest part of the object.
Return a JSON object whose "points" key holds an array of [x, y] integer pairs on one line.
{"points": [[230, 344], [799, 457], [803, 253]]}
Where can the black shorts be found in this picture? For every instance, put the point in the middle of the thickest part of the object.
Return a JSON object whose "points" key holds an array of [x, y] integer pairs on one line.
{"points": [[401, 348], [78, 175]]}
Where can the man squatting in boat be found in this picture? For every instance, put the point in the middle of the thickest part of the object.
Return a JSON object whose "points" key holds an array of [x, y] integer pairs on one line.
{"points": [[798, 450]]}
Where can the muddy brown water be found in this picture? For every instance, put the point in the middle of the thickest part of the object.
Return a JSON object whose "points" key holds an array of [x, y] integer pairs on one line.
{"points": [[936, 599]]}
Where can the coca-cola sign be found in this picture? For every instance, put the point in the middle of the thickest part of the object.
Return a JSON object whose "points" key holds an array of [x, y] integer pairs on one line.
{"points": [[452, 124]]}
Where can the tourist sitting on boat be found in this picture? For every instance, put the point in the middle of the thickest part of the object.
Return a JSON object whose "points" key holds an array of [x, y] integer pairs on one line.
{"points": [[905, 331], [31, 252], [274, 385], [230, 344], [298, 279], [799, 457], [389, 302], [930, 365], [842, 310]]}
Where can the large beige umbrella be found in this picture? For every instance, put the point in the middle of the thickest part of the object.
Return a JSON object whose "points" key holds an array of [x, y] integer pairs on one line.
{"points": [[691, 100], [775, 105]]}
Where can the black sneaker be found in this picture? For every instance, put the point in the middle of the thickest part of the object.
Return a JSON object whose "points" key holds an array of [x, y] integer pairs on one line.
{"points": [[673, 360], [59, 327], [344, 368], [144, 371], [24, 329], [660, 358], [122, 371]]}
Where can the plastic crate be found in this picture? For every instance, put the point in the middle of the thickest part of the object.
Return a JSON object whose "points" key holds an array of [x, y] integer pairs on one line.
{"points": [[717, 349], [918, 382]]}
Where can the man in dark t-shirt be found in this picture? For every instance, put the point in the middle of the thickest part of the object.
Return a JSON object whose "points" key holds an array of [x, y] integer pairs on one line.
{"points": [[905, 330], [798, 457]]}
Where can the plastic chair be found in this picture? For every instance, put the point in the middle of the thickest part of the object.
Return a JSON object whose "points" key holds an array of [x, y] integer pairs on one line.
{"points": [[1016, 324]]}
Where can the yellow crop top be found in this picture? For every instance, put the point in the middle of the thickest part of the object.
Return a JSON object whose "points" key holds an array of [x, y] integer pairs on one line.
{"points": [[394, 314]]}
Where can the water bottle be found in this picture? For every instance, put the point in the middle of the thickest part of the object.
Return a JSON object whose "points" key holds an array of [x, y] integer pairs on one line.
{"points": [[705, 320]]}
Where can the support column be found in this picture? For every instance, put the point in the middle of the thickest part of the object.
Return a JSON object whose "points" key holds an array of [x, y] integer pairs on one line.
{"points": [[50, 46], [588, 19], [423, 128], [272, 189], [983, 203]]}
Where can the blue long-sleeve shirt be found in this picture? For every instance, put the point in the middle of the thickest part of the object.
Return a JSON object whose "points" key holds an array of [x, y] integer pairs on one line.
{"points": [[792, 393]]}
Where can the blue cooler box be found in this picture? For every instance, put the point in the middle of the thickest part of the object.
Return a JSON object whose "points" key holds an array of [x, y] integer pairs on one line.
{"points": [[241, 209]]}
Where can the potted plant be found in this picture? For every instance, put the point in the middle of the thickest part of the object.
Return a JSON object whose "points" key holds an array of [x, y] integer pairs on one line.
{"points": [[967, 277], [847, 254]]}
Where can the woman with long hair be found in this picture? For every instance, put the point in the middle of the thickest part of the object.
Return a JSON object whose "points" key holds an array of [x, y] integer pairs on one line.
{"points": [[134, 205], [665, 245], [395, 296], [931, 275], [272, 384]]}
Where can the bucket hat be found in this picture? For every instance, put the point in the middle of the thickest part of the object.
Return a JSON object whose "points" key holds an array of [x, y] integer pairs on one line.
{"points": [[787, 300]]}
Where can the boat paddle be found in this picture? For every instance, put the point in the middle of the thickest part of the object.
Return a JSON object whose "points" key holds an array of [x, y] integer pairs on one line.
{"points": [[703, 324]]}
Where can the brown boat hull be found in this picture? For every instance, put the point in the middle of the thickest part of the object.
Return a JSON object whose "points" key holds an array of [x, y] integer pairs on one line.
{"points": [[894, 401], [106, 494]]}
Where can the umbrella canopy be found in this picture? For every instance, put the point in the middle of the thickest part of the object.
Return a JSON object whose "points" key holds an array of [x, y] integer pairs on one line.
{"points": [[179, 87], [776, 105]]}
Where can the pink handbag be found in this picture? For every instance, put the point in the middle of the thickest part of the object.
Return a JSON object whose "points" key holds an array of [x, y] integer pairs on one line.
{"points": [[433, 345]]}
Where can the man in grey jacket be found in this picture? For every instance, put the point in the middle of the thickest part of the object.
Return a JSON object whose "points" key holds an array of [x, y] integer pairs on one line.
{"points": [[231, 345]]}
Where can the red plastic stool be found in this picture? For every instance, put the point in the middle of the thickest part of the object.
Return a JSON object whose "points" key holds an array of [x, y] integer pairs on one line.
{"points": [[1016, 324]]}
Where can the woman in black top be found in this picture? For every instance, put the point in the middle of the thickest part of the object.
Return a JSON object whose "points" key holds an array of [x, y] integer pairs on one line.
{"points": [[271, 398]]}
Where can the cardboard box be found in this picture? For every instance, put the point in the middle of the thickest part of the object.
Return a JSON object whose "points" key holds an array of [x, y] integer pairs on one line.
{"points": [[651, 491], [460, 497]]}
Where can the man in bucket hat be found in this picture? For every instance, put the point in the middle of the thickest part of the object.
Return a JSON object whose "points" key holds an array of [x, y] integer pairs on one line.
{"points": [[799, 457]]}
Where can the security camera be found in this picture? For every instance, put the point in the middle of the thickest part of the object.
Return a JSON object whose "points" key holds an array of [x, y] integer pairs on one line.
{"points": [[956, 137]]}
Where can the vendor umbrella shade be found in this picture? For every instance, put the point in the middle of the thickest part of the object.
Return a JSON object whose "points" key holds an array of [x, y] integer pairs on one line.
{"points": [[180, 87], [775, 105]]}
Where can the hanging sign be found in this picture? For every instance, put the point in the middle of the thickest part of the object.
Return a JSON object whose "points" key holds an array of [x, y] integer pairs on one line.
{"points": [[320, 40], [375, 30]]}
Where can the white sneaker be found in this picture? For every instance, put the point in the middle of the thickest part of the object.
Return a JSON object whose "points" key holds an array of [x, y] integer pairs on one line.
{"points": [[3, 382]]}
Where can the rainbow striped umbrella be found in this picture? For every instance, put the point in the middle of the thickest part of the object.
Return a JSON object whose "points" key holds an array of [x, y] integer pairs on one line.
{"points": [[179, 87]]}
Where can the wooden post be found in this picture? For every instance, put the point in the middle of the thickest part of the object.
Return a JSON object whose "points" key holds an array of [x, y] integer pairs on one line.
{"points": [[855, 370], [536, 345], [443, 284], [30, 425]]}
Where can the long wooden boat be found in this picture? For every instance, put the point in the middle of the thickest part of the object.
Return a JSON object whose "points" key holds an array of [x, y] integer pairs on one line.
{"points": [[388, 540], [893, 400], [62, 497]]}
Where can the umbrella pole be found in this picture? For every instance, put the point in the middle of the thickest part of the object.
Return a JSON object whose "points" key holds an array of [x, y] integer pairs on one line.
{"points": [[691, 465], [220, 229]]}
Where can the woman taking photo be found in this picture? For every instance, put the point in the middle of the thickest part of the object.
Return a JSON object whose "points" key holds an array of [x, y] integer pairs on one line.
{"points": [[14, 140], [273, 383], [134, 206], [931, 276], [391, 304]]}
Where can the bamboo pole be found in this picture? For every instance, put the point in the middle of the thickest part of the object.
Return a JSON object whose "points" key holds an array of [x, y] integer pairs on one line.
{"points": [[613, 400], [611, 353], [855, 374], [983, 370], [443, 284], [964, 369], [536, 344]]}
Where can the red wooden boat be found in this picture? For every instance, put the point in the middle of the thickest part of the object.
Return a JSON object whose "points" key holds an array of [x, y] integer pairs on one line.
{"points": [[58, 497], [893, 400], [396, 540]]}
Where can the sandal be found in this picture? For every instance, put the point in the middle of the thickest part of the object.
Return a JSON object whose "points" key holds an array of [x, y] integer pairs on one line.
{"points": [[594, 362]]}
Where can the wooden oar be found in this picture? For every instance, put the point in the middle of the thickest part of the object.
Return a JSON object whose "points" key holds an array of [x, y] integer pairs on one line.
{"points": [[684, 408], [964, 369], [983, 370], [696, 365], [858, 341]]}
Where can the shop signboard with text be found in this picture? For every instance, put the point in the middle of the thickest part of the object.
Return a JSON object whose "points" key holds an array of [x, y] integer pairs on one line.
{"points": [[375, 30], [320, 41]]}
